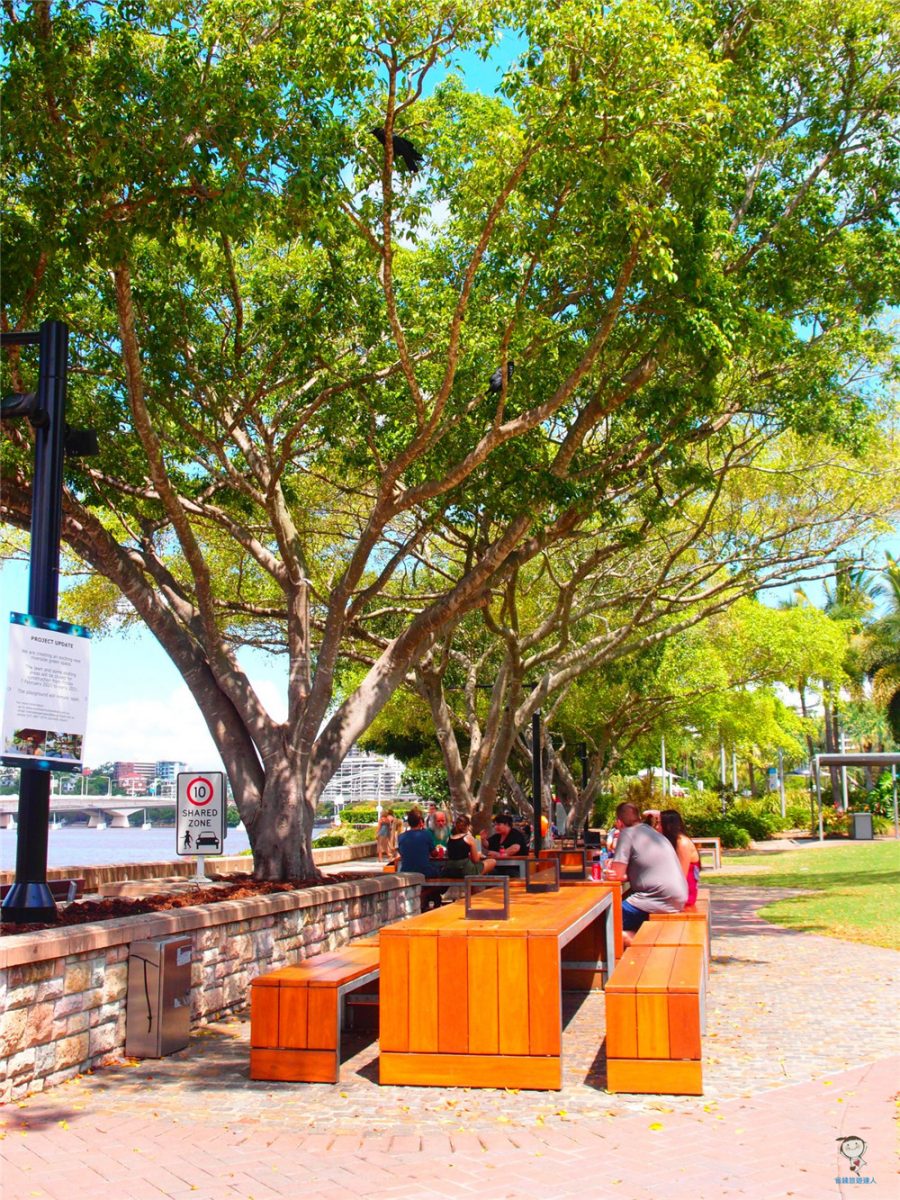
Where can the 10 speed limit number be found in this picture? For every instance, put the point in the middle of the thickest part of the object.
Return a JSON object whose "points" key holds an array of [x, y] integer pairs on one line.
{"points": [[200, 825]]}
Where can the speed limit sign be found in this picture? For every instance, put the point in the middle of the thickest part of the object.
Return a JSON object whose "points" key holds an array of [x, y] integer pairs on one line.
{"points": [[200, 824]]}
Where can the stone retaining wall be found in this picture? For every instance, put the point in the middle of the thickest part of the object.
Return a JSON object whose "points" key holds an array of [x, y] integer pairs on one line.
{"points": [[62, 991]]}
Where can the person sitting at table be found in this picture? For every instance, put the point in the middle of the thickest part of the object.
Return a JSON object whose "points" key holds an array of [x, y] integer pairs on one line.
{"points": [[688, 854], [463, 856], [505, 842], [440, 834], [524, 828], [649, 864], [414, 854]]}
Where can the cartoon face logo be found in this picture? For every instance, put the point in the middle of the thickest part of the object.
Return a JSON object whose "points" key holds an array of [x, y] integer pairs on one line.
{"points": [[853, 1148]]}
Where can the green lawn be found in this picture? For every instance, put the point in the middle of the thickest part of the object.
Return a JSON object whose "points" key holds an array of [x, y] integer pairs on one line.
{"points": [[855, 889]]}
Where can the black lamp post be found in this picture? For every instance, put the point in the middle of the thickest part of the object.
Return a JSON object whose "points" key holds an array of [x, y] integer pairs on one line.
{"points": [[537, 787], [29, 898], [583, 757]]}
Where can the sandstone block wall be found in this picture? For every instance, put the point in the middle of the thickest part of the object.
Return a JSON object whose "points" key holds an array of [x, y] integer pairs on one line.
{"points": [[62, 992]]}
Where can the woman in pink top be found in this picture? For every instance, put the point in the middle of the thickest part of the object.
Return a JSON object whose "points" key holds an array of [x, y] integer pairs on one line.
{"points": [[688, 854]]}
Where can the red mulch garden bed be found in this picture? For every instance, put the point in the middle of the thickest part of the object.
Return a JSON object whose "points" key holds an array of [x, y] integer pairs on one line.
{"points": [[240, 887]]}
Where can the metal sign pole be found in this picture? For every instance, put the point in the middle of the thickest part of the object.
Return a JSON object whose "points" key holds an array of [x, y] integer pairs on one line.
{"points": [[200, 873], [894, 789], [819, 798]]}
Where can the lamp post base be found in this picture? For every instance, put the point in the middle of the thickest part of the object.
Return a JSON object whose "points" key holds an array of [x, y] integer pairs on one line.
{"points": [[25, 903]]}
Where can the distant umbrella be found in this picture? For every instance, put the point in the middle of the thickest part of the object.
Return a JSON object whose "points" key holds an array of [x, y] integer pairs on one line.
{"points": [[496, 382], [403, 149]]}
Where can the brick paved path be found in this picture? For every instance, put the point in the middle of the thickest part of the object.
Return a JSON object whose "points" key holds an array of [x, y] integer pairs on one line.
{"points": [[798, 1053]]}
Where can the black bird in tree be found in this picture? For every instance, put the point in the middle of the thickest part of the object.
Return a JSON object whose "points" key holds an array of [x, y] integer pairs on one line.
{"points": [[403, 149], [496, 382]]}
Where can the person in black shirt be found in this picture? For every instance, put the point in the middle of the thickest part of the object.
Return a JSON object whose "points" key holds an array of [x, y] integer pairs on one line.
{"points": [[463, 856], [505, 842]]}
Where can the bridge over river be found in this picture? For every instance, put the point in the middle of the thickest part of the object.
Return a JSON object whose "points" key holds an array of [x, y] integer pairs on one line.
{"points": [[99, 810]]}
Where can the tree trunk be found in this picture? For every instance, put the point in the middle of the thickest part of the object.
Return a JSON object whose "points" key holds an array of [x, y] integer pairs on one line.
{"points": [[520, 800], [282, 830], [831, 748]]}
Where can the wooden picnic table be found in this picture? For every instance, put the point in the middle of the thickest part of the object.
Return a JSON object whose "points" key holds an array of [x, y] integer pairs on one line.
{"points": [[478, 1003]]}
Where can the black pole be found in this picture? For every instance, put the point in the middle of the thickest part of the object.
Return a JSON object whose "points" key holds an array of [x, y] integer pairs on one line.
{"points": [[536, 778], [29, 898], [583, 755]]}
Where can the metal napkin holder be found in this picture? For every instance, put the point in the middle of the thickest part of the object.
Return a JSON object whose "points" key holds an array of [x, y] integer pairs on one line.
{"points": [[480, 883], [573, 864], [542, 874]]}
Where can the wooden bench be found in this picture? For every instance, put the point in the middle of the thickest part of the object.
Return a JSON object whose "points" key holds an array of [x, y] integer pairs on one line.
{"points": [[63, 891], [699, 912], [712, 845], [296, 1015], [655, 1014], [675, 933]]}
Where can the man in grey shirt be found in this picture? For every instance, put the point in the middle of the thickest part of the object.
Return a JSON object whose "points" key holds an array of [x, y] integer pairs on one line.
{"points": [[648, 862]]}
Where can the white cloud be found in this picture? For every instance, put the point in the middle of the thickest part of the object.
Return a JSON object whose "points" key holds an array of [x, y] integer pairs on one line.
{"points": [[147, 729], [166, 726]]}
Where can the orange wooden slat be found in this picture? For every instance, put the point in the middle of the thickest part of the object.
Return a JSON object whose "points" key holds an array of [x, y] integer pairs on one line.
{"points": [[629, 969], [652, 1011], [295, 1066], [322, 1019], [544, 996], [423, 994], [471, 1070], [264, 1014], [512, 973], [687, 969], [657, 969], [650, 933], [621, 1025], [686, 914], [484, 1035], [293, 1015], [393, 1015], [453, 993], [340, 967], [646, 1075], [684, 1026]]}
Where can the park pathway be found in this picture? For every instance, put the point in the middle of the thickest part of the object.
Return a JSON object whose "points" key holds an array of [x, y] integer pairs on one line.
{"points": [[801, 1050]]}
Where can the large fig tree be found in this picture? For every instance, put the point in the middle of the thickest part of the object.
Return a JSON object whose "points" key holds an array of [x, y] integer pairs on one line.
{"points": [[307, 352]]}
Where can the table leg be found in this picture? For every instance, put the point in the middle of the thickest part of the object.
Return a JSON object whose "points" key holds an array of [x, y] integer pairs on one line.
{"points": [[610, 941]]}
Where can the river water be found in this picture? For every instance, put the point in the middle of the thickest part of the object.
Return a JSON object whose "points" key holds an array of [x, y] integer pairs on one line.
{"points": [[78, 846]]}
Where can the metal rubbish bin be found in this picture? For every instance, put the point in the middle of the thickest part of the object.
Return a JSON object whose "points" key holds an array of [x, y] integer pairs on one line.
{"points": [[158, 1007], [862, 827]]}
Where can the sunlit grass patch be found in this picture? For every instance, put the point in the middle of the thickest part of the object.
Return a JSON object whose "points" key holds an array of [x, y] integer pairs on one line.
{"points": [[854, 891]]}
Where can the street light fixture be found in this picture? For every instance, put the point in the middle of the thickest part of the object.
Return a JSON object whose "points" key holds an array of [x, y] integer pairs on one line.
{"points": [[29, 898]]}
